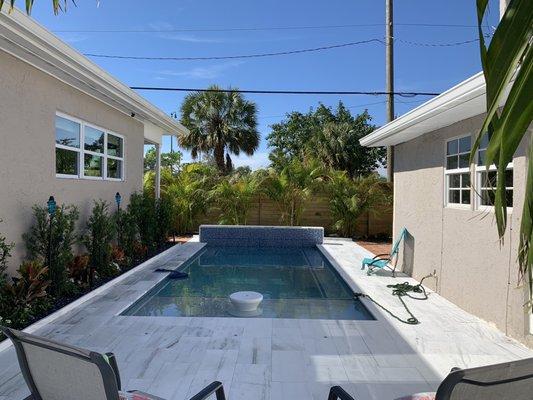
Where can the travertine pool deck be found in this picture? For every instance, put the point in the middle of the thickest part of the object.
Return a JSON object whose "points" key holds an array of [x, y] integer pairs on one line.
{"points": [[277, 359]]}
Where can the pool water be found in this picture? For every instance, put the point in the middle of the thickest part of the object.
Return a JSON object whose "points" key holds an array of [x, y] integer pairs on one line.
{"points": [[295, 283]]}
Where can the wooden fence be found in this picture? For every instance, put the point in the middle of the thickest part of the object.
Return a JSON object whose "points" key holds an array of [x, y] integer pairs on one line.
{"points": [[316, 213]]}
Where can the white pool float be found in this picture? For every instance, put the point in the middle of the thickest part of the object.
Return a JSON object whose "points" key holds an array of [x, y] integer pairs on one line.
{"points": [[245, 303]]}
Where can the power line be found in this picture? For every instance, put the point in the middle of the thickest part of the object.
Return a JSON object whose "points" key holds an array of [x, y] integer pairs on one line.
{"points": [[296, 92], [272, 54], [436, 44], [356, 106], [258, 55], [244, 29]]}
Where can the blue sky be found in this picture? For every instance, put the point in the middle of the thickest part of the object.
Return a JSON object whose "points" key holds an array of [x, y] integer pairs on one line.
{"points": [[417, 68]]}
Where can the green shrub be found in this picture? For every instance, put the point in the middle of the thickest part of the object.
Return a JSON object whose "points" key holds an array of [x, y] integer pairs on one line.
{"points": [[98, 240], [351, 198], [142, 208], [26, 297], [127, 236], [233, 197], [165, 220], [63, 237], [5, 254]]}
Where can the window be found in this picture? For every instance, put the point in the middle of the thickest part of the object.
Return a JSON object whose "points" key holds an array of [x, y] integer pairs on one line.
{"points": [[86, 151], [486, 180], [67, 147], [458, 171]]}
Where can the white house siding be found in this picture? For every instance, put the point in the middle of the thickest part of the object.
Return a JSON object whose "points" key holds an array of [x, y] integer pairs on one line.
{"points": [[474, 271], [29, 102]]}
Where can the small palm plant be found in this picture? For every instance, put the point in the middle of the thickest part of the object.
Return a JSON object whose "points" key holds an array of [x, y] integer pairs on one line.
{"points": [[508, 68], [292, 187], [351, 198], [189, 193], [58, 5], [234, 197]]}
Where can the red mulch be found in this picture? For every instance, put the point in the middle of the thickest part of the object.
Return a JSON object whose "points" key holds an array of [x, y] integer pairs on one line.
{"points": [[375, 247]]}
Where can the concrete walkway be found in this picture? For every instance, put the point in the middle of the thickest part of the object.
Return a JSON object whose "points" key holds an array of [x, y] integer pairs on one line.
{"points": [[277, 359]]}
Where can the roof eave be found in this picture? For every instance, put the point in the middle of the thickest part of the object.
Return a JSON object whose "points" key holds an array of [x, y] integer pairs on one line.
{"points": [[436, 113], [27, 40]]}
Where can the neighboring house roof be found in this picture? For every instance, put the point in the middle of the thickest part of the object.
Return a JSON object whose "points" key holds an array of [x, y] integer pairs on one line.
{"points": [[465, 100], [27, 40]]}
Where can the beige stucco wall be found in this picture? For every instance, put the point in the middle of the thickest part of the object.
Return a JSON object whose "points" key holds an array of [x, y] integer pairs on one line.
{"points": [[29, 101], [473, 269]]}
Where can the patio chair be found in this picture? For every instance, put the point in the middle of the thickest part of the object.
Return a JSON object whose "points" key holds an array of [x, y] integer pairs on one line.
{"points": [[506, 381], [57, 371], [385, 260]]}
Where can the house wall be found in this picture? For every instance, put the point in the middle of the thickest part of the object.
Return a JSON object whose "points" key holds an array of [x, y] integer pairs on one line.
{"points": [[474, 270], [30, 99]]}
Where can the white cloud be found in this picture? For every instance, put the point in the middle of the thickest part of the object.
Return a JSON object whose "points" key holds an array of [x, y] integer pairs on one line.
{"points": [[208, 72]]}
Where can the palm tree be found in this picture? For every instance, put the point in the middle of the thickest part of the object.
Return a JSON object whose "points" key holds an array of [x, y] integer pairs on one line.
{"points": [[508, 69], [58, 5], [220, 122]]}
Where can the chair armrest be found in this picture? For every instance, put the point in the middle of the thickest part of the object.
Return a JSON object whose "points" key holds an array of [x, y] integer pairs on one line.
{"points": [[112, 360], [336, 392], [215, 387], [382, 256]]}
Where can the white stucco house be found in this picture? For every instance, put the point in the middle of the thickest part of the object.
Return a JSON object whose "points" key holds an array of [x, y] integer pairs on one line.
{"points": [[67, 127], [445, 204]]}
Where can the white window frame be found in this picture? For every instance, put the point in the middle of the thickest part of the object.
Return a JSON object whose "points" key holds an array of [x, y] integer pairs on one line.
{"points": [[479, 169], [456, 171], [81, 152]]}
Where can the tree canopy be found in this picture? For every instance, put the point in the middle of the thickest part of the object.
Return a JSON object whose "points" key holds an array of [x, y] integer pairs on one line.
{"points": [[219, 123], [331, 136], [168, 160]]}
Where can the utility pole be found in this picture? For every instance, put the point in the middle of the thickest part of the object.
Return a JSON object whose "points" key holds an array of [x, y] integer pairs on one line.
{"points": [[389, 71]]}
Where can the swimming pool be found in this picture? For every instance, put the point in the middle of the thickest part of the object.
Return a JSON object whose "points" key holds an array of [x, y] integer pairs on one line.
{"points": [[296, 282]]}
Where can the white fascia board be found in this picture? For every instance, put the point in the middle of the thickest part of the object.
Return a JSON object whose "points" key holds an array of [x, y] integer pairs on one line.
{"points": [[27, 40], [462, 101]]}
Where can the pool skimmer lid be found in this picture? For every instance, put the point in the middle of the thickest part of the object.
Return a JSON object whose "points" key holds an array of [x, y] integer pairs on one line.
{"points": [[245, 304]]}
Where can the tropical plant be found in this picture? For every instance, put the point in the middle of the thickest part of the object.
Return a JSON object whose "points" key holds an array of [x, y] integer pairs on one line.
{"points": [[142, 208], [127, 236], [164, 216], [233, 197], [53, 244], [5, 254], [350, 198], [291, 187], [26, 296], [58, 5], [100, 233], [223, 123], [167, 177], [508, 69], [189, 194], [331, 136], [171, 160], [79, 271]]}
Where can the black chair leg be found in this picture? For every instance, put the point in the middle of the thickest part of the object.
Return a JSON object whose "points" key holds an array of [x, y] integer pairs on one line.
{"points": [[215, 387], [336, 393]]}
